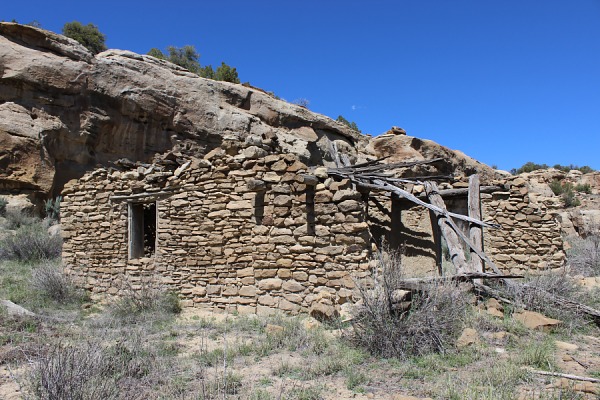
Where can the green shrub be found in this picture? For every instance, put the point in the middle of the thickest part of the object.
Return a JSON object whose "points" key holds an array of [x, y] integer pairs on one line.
{"points": [[539, 354], [17, 218], [584, 188], [352, 125], [148, 298], [531, 166], [304, 393], [570, 200], [557, 187], [532, 294], [51, 280], [80, 371], [567, 190], [584, 255], [52, 208], [88, 35]]}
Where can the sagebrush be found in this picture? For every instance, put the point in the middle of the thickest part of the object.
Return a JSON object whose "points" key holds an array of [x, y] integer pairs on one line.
{"points": [[50, 279], [31, 242], [431, 322], [584, 255]]}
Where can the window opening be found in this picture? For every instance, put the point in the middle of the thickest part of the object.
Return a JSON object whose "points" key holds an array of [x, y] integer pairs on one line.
{"points": [[310, 210], [259, 207], [142, 229]]}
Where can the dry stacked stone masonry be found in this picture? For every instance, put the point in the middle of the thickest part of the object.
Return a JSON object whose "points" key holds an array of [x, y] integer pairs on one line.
{"points": [[248, 232], [530, 239], [258, 232]]}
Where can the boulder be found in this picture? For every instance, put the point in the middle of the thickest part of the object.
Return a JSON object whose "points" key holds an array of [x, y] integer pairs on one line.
{"points": [[468, 337], [535, 320], [322, 311], [15, 309]]}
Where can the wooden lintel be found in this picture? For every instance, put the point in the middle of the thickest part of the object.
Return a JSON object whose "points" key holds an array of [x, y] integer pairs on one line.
{"points": [[144, 195]]}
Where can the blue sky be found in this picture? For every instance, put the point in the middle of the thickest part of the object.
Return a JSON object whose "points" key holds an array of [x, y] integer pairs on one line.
{"points": [[506, 81]]}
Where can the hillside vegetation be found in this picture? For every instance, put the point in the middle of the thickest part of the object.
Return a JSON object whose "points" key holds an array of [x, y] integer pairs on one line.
{"points": [[448, 345]]}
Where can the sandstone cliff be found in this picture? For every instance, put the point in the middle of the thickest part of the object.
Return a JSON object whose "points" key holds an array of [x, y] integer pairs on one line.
{"points": [[64, 110]]}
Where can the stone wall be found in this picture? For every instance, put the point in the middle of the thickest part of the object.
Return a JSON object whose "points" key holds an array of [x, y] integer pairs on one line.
{"points": [[256, 232], [241, 232], [530, 239]]}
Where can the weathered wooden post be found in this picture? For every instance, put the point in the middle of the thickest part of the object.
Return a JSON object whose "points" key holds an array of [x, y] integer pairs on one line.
{"points": [[475, 230], [457, 253]]}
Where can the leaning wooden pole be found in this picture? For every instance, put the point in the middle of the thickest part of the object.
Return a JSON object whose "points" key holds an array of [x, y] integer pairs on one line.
{"points": [[457, 253], [475, 231]]}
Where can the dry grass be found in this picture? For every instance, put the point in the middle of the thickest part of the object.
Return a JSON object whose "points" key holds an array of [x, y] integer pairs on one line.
{"points": [[584, 256], [50, 280]]}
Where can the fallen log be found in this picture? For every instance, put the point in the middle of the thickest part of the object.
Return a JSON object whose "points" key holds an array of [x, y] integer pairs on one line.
{"points": [[563, 302], [419, 284], [561, 375], [510, 297]]}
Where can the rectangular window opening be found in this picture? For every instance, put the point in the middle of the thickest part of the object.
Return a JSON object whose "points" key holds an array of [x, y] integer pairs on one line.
{"points": [[142, 230], [310, 210], [259, 207]]}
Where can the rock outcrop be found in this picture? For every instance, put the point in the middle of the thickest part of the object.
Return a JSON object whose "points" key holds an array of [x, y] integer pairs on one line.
{"points": [[581, 219], [63, 111]]}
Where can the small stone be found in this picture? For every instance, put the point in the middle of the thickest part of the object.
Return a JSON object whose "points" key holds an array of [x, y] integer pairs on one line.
{"points": [[310, 323], [350, 205], [321, 172], [270, 284], [342, 195], [495, 312], [321, 311], [468, 337], [254, 152], [256, 185], [499, 335], [566, 346], [273, 329]]}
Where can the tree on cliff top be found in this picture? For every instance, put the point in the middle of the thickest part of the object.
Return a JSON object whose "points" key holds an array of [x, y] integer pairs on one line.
{"points": [[188, 58], [351, 125], [88, 35]]}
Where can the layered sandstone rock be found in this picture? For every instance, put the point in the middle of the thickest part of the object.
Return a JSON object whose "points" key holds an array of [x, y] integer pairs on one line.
{"points": [[64, 110], [582, 219]]}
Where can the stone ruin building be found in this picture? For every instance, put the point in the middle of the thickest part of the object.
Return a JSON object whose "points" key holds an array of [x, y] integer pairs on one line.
{"points": [[257, 230], [230, 199]]}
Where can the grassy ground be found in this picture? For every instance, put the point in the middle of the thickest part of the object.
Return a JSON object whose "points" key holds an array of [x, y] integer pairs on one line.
{"points": [[155, 353]]}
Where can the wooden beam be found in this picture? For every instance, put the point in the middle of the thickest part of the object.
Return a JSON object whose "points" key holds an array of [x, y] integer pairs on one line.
{"points": [[475, 231], [382, 185], [421, 283], [559, 375], [143, 195], [457, 252], [465, 191]]}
